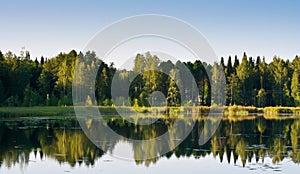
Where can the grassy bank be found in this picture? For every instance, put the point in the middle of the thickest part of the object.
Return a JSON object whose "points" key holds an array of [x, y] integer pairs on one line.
{"points": [[46, 111], [229, 111], [35, 111], [280, 111]]}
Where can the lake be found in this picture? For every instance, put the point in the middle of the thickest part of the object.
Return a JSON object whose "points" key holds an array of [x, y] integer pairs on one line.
{"points": [[58, 145]]}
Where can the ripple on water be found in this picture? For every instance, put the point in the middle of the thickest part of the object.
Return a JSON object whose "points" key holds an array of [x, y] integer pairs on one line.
{"points": [[201, 150], [23, 127]]}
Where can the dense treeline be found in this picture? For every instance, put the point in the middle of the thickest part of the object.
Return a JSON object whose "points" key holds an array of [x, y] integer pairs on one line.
{"points": [[249, 81]]}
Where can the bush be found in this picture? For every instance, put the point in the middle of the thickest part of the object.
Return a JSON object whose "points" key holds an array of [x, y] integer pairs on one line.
{"points": [[13, 101]]}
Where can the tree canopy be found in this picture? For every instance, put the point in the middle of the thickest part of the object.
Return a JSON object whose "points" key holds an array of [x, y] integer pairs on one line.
{"points": [[25, 81]]}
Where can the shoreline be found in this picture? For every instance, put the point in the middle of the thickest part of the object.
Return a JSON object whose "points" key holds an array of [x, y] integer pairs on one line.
{"points": [[228, 111]]}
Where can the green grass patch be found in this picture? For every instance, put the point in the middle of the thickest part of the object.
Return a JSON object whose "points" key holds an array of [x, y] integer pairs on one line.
{"points": [[35, 111]]}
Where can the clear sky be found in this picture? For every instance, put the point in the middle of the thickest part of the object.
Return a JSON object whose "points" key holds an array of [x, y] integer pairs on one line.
{"points": [[259, 27]]}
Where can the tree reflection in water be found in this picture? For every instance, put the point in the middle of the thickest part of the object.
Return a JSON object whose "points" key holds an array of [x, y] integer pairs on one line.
{"points": [[63, 140]]}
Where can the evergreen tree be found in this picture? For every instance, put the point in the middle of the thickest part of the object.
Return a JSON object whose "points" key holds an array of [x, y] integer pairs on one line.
{"points": [[42, 60], [229, 91], [229, 68], [243, 73], [222, 64], [236, 63]]}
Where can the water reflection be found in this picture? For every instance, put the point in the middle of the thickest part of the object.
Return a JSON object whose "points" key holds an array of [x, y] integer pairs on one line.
{"points": [[62, 139]]}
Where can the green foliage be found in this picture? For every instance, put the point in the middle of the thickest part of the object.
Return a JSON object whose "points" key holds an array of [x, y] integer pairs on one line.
{"points": [[24, 82], [13, 101], [295, 86], [173, 91], [150, 75], [53, 100], [2, 93], [243, 72], [218, 84], [31, 97], [65, 101], [262, 98]]}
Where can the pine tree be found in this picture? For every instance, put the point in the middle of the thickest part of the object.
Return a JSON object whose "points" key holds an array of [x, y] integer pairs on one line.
{"points": [[222, 64], [229, 91], [42, 60], [243, 74], [236, 63], [229, 68]]}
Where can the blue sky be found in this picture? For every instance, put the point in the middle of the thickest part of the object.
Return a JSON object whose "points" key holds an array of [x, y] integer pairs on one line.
{"points": [[259, 27]]}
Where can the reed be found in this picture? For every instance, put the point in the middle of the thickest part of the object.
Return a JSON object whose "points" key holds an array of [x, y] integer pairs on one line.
{"points": [[277, 111]]}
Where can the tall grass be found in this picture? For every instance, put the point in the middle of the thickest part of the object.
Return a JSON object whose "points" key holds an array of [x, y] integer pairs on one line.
{"points": [[277, 111], [236, 111]]}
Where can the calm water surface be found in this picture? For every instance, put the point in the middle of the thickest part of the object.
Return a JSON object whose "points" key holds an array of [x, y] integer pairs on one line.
{"points": [[58, 145]]}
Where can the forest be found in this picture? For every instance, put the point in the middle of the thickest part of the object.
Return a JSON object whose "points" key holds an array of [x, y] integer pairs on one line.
{"points": [[25, 81]]}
